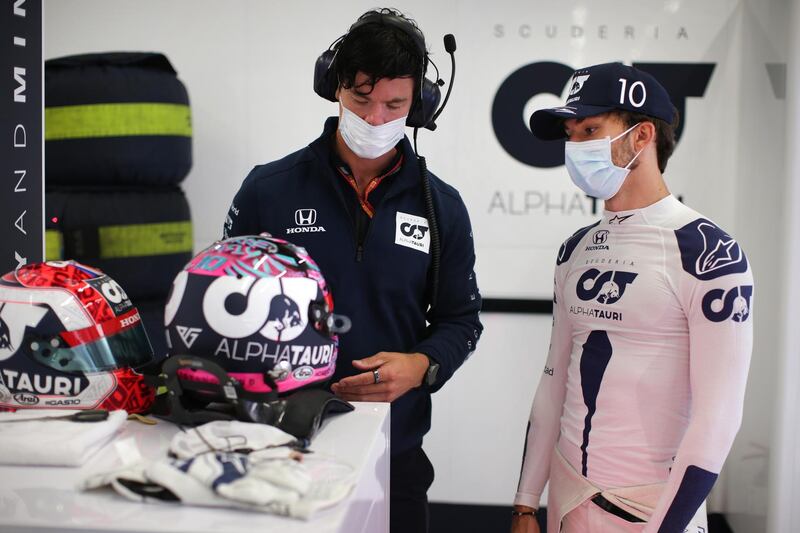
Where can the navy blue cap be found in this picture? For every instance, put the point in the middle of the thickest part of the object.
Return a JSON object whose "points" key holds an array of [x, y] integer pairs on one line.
{"points": [[600, 89]]}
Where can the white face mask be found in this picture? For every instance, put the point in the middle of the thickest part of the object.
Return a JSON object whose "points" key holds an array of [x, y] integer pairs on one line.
{"points": [[368, 141], [591, 168]]}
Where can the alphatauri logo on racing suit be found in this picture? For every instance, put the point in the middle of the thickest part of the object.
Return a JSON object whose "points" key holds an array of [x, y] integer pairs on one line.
{"points": [[604, 287], [719, 305]]}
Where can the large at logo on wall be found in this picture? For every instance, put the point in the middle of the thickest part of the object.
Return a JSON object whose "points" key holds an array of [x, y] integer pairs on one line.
{"points": [[21, 209], [521, 200]]}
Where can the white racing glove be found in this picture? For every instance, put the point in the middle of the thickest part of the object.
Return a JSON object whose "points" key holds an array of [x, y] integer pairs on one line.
{"points": [[274, 483], [219, 479], [228, 436]]}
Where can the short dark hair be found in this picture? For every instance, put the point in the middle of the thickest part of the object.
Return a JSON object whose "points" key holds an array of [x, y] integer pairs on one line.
{"points": [[665, 132], [380, 51]]}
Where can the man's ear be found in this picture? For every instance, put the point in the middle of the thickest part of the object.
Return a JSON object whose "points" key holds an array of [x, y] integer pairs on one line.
{"points": [[338, 90], [645, 134]]}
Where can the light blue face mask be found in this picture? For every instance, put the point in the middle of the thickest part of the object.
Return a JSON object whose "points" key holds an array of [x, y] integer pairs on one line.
{"points": [[591, 168]]}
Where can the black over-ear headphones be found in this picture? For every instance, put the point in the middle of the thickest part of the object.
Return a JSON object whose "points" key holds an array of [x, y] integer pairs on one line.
{"points": [[423, 109]]}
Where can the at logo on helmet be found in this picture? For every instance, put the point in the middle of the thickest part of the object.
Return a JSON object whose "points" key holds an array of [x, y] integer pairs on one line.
{"points": [[235, 307]]}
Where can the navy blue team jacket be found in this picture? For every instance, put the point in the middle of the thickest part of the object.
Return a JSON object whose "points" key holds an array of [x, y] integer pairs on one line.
{"points": [[383, 287]]}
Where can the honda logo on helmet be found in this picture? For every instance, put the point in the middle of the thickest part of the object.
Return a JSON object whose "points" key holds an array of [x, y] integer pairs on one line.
{"points": [[305, 217]]}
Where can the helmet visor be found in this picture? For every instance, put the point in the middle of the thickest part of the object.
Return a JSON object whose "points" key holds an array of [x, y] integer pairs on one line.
{"points": [[118, 343]]}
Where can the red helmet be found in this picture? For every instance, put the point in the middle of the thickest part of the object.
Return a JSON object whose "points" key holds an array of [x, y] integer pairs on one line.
{"points": [[71, 339], [258, 307]]}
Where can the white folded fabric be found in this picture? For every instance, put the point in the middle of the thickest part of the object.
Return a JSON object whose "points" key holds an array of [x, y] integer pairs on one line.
{"points": [[227, 436], [37, 438]]}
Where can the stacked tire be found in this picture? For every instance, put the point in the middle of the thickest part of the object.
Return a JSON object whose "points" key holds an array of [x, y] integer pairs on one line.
{"points": [[118, 144]]}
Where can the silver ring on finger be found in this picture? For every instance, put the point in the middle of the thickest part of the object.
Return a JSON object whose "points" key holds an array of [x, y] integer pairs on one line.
{"points": [[376, 376]]}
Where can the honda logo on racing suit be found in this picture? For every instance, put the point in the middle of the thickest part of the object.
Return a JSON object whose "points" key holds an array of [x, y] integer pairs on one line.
{"points": [[600, 237]]}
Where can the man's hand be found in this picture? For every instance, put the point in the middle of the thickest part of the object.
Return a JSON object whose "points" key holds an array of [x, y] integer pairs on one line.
{"points": [[524, 523], [397, 374]]}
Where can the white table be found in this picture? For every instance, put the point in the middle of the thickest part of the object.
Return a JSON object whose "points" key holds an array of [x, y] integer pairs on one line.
{"points": [[39, 499]]}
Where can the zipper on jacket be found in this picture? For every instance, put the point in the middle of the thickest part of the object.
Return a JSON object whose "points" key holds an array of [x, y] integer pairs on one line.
{"points": [[353, 215], [370, 222], [362, 224]]}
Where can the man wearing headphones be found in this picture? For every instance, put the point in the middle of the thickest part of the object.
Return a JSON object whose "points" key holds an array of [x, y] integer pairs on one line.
{"points": [[355, 199], [643, 388]]}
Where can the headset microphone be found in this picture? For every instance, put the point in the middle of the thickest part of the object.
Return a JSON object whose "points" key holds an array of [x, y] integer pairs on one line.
{"points": [[449, 43], [450, 48]]}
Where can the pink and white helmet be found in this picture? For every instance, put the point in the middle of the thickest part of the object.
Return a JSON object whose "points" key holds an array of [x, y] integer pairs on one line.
{"points": [[258, 307]]}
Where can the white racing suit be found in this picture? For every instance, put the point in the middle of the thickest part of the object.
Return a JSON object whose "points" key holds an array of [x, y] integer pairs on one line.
{"points": [[645, 378]]}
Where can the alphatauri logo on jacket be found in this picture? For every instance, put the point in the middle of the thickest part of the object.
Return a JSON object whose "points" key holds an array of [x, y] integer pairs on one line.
{"points": [[412, 232]]}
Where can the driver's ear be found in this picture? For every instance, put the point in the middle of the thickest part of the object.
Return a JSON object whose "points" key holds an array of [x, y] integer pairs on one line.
{"points": [[646, 134]]}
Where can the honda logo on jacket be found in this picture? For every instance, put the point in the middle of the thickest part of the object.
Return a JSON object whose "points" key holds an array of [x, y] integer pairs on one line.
{"points": [[305, 217], [305, 220]]}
